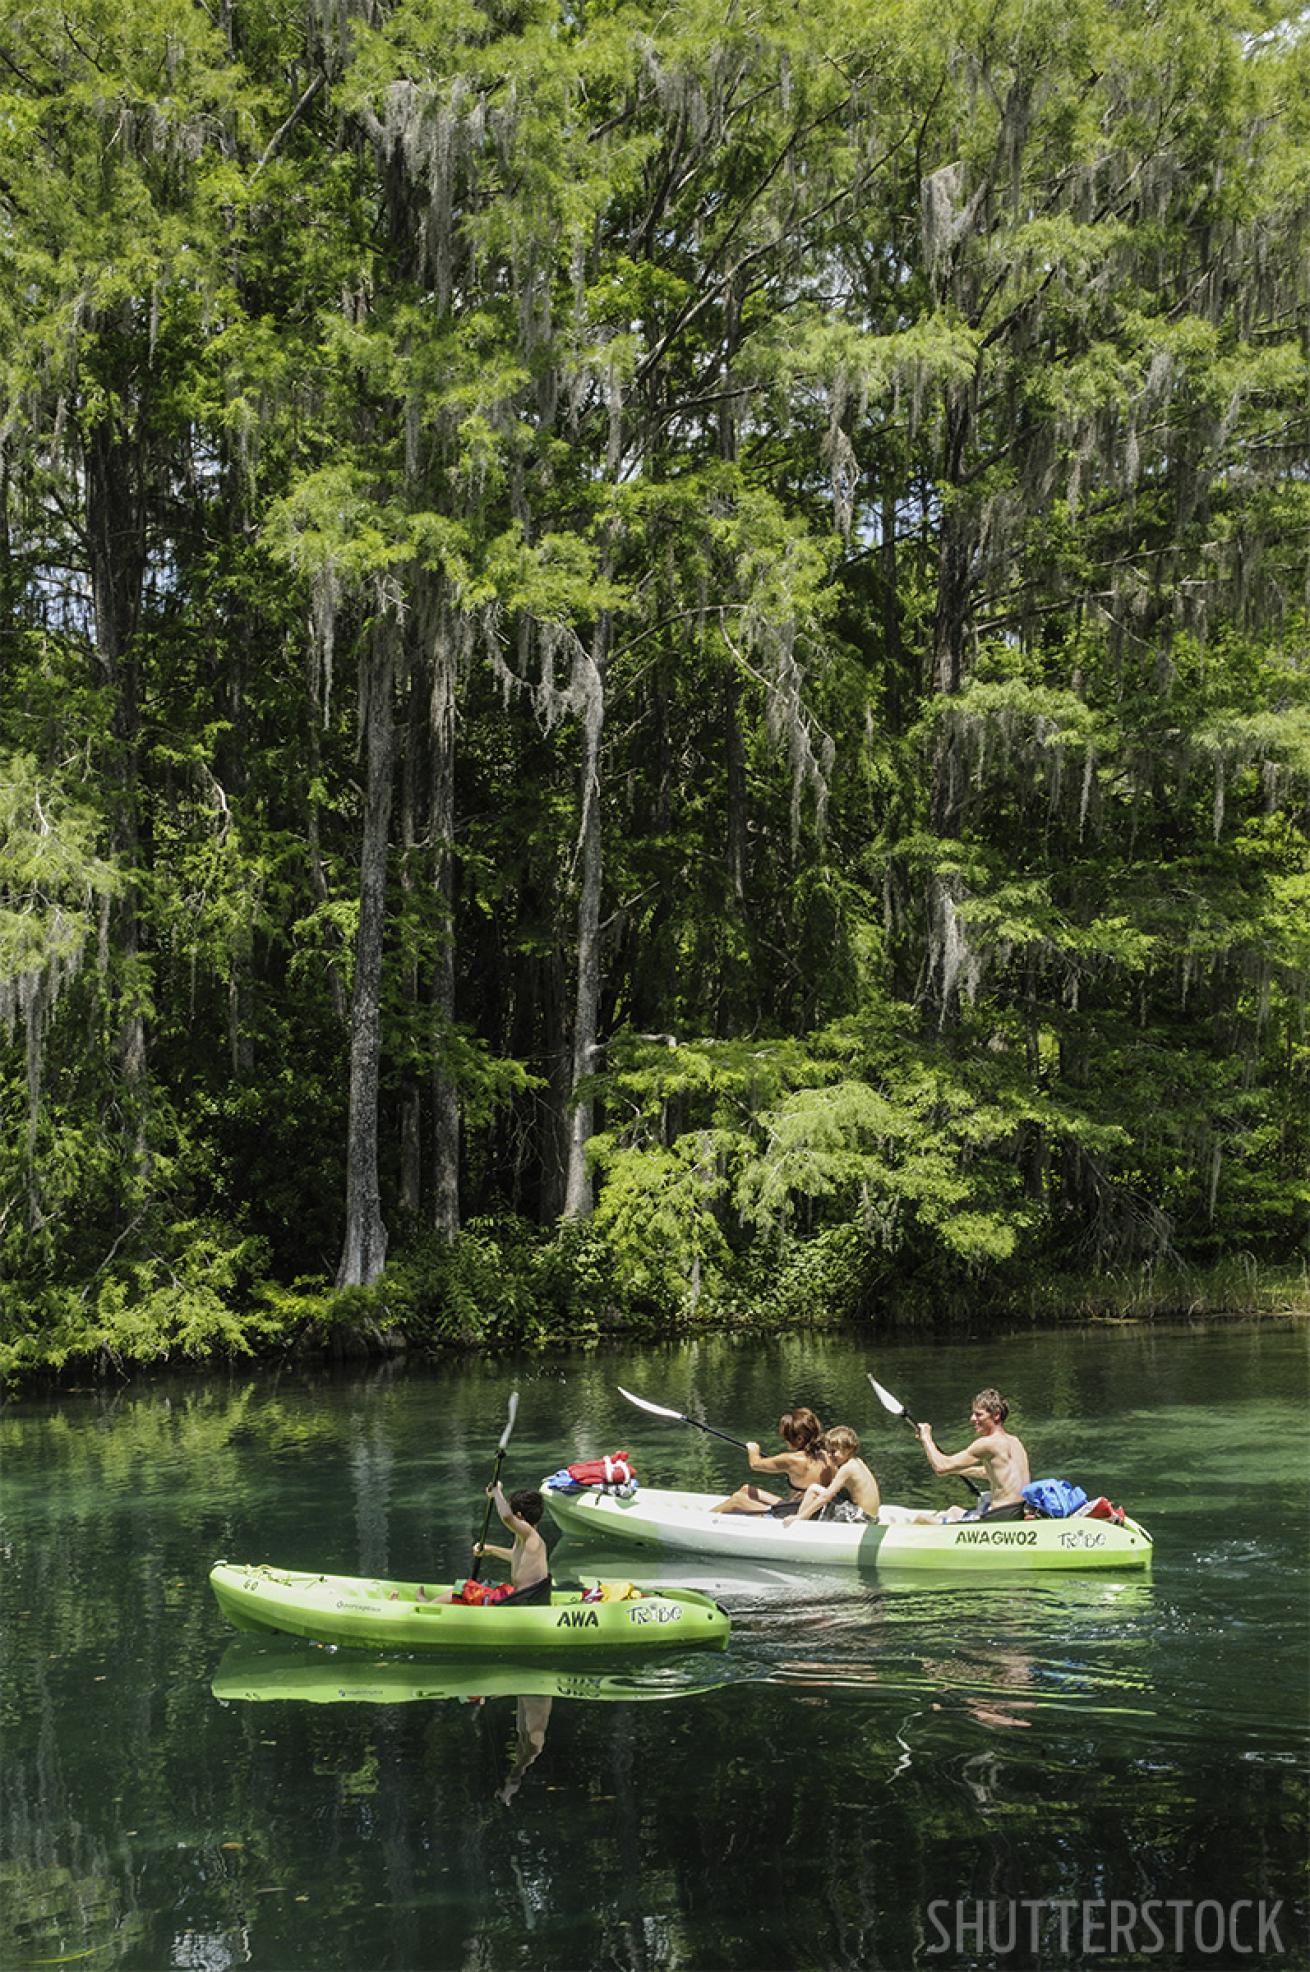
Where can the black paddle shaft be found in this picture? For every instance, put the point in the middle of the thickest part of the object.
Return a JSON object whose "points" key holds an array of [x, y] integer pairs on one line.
{"points": [[913, 1423], [726, 1436], [495, 1478], [681, 1417], [486, 1518], [972, 1484]]}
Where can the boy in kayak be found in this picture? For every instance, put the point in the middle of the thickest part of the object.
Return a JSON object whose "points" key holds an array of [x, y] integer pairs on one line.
{"points": [[529, 1564], [995, 1455], [852, 1492], [803, 1464]]}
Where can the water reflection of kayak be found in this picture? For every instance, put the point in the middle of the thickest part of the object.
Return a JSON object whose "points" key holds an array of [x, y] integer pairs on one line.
{"points": [[253, 1672], [372, 1614], [683, 1523]]}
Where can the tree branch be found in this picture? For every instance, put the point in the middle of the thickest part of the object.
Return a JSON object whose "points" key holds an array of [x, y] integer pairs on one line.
{"points": [[284, 131]]}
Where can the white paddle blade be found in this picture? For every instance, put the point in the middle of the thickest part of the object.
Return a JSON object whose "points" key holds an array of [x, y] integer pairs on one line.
{"points": [[885, 1397], [509, 1421], [644, 1404]]}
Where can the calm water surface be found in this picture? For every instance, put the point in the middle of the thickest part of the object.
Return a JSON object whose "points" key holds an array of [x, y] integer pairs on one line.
{"points": [[870, 1749]]}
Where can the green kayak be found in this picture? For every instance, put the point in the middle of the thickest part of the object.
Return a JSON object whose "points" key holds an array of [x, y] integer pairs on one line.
{"points": [[391, 1616]]}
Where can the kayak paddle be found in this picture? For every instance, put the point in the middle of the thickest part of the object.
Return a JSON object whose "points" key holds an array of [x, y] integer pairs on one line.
{"points": [[662, 1410], [495, 1478], [897, 1409]]}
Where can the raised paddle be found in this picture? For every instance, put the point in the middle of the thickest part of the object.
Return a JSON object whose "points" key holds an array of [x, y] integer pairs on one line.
{"points": [[897, 1409], [495, 1479], [662, 1410]]}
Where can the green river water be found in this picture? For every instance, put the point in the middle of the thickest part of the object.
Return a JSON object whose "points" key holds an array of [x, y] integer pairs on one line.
{"points": [[880, 1772]]}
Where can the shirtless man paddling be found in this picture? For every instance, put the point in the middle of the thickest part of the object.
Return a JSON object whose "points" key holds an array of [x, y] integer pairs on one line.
{"points": [[995, 1455]]}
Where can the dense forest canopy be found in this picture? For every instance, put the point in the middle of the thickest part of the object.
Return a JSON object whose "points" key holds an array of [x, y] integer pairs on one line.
{"points": [[651, 664]]}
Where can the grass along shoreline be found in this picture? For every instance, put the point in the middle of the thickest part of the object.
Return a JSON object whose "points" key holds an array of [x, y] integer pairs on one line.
{"points": [[405, 1313]]}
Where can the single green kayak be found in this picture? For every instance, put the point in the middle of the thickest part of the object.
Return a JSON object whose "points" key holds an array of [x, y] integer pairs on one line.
{"points": [[390, 1615], [309, 1674]]}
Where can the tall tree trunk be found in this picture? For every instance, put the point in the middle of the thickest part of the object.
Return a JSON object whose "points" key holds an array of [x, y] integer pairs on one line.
{"points": [[445, 1097], [899, 687], [954, 581], [553, 1108], [313, 831], [364, 1251], [578, 1198], [411, 1105], [736, 774], [955, 551], [241, 989], [736, 751], [116, 533], [232, 753]]}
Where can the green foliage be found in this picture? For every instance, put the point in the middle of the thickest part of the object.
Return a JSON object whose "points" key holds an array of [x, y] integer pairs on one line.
{"points": [[500, 1282], [825, 494], [51, 877], [657, 1211], [180, 1304], [822, 1281]]}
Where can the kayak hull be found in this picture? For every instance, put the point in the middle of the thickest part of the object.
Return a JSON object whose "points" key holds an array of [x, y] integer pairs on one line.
{"points": [[374, 1614], [674, 1522]]}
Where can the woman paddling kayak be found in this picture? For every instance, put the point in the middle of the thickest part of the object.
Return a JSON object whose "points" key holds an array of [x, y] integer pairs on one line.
{"points": [[805, 1463]]}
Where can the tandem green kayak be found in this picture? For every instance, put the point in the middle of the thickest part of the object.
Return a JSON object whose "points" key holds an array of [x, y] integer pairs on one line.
{"points": [[375, 1615], [684, 1523]]}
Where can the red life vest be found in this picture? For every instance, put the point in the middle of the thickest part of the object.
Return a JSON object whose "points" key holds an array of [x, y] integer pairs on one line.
{"points": [[1104, 1509], [613, 1471], [479, 1594]]}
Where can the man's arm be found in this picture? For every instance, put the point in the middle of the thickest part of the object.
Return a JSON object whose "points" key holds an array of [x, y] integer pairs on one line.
{"points": [[967, 1461]]}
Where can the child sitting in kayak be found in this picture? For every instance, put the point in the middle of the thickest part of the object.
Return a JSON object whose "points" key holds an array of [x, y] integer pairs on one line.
{"points": [[803, 1464], [852, 1492], [529, 1564]]}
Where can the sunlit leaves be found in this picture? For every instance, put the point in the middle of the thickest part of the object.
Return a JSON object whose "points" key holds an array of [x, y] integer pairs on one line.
{"points": [[53, 876]]}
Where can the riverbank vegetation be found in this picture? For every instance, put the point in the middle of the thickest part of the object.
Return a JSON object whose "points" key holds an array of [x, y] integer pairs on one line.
{"points": [[655, 671]]}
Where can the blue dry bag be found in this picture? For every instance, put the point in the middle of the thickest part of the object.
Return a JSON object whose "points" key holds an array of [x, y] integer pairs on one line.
{"points": [[1055, 1498]]}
